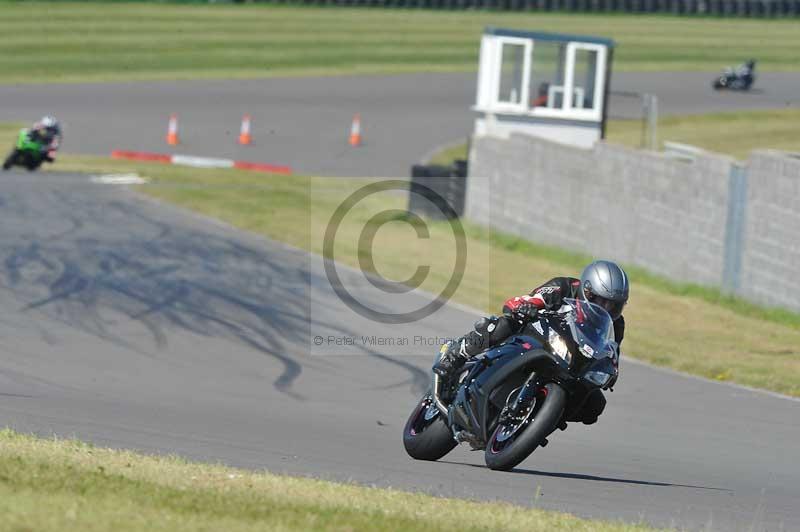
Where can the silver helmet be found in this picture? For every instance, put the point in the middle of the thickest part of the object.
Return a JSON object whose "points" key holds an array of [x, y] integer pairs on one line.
{"points": [[48, 121], [606, 284], [49, 124]]}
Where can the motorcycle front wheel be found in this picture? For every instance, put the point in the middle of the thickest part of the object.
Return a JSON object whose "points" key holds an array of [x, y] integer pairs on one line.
{"points": [[513, 441], [32, 163], [426, 436]]}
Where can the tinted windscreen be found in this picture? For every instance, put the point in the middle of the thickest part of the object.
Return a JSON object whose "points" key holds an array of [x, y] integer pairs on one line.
{"points": [[591, 327]]}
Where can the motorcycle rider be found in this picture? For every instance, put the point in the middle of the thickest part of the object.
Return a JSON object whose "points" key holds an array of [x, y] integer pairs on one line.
{"points": [[45, 131], [740, 77], [44, 134], [746, 69], [602, 282]]}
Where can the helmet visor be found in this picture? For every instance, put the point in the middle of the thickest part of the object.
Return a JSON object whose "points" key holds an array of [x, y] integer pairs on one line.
{"points": [[612, 307]]}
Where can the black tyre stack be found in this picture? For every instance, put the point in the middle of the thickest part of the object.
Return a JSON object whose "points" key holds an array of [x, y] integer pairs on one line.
{"points": [[438, 192]]}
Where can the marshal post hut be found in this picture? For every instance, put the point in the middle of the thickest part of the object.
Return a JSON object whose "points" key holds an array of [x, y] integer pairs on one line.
{"points": [[543, 84]]}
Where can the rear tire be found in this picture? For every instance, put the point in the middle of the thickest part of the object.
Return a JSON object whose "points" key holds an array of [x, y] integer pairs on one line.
{"points": [[426, 436], [9, 162], [506, 456]]}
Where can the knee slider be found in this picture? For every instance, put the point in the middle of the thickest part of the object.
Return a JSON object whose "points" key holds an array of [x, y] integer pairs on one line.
{"points": [[486, 325]]}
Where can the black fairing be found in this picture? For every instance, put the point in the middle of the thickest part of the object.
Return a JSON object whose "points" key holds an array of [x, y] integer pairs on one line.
{"points": [[493, 377], [496, 375], [579, 363], [606, 365]]}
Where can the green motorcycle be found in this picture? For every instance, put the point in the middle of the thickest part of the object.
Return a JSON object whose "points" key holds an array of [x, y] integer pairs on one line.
{"points": [[30, 152]]}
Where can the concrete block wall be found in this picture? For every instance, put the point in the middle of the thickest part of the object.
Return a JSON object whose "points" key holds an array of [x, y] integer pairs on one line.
{"points": [[638, 207], [771, 244]]}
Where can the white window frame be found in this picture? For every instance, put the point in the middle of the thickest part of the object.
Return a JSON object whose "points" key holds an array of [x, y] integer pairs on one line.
{"points": [[595, 112], [497, 73], [567, 111], [490, 72], [483, 98]]}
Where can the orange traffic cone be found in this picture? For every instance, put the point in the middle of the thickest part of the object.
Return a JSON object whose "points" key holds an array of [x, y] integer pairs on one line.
{"points": [[244, 134], [355, 131], [172, 130]]}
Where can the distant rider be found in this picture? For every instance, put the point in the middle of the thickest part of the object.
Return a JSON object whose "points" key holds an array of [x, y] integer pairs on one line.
{"points": [[746, 69], [35, 144], [46, 131], [602, 282]]}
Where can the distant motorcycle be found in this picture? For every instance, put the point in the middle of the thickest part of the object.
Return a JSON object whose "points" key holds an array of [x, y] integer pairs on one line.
{"points": [[508, 400], [740, 78], [31, 154]]}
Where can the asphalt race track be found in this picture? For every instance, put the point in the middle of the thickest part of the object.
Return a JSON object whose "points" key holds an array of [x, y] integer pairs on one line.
{"points": [[133, 324], [304, 122]]}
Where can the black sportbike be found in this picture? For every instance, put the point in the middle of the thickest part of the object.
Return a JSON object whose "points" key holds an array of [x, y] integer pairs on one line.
{"points": [[740, 78], [30, 152], [509, 399]]}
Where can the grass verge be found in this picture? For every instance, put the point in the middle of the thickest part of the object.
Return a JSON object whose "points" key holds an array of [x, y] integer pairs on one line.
{"points": [[68, 485], [447, 154], [692, 329], [63, 41], [735, 133]]}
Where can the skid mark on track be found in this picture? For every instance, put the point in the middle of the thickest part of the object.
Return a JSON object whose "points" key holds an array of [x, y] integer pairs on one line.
{"points": [[88, 261], [299, 280]]}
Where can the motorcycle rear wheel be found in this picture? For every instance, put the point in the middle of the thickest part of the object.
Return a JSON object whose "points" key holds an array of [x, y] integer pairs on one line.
{"points": [[426, 436], [722, 82], [511, 444], [9, 162]]}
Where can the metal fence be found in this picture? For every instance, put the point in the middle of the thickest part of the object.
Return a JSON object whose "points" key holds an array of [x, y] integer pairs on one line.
{"points": [[720, 8]]}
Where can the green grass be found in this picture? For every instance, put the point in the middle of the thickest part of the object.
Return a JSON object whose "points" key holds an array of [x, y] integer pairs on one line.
{"points": [[734, 133], [67, 485], [686, 327], [447, 154], [45, 42]]}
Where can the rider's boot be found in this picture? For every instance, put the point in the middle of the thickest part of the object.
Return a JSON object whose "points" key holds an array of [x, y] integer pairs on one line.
{"points": [[454, 356]]}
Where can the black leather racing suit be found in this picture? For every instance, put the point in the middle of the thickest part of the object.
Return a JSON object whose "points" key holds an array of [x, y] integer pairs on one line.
{"points": [[492, 331]]}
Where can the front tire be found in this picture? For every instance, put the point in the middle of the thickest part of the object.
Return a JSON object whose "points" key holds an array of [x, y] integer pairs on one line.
{"points": [[510, 445], [32, 163], [426, 436]]}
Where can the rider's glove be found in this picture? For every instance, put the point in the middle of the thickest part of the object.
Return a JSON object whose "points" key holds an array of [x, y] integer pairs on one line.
{"points": [[525, 311]]}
